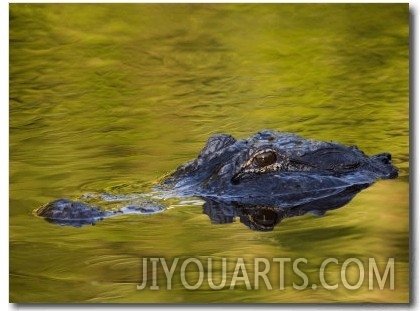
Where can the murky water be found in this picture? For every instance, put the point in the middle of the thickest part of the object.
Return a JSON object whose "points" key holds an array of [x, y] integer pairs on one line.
{"points": [[109, 98]]}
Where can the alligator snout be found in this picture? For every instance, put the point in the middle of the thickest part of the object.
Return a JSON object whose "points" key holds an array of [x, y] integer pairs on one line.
{"points": [[382, 162]]}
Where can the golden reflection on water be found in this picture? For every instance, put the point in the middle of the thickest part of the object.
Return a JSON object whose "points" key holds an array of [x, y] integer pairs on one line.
{"points": [[98, 105]]}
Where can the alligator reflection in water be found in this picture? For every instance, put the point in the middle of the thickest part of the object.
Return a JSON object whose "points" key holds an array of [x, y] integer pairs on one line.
{"points": [[263, 179], [265, 217]]}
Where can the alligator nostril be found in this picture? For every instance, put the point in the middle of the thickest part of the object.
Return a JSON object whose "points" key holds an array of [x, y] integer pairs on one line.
{"points": [[386, 158]]}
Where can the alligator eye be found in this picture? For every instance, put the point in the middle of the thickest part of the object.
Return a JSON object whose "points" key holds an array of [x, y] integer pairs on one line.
{"points": [[265, 158]]}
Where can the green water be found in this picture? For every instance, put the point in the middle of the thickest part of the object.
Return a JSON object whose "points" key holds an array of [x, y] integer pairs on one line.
{"points": [[112, 97]]}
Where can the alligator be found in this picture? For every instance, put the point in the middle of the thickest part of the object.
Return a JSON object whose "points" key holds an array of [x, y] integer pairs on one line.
{"points": [[262, 180]]}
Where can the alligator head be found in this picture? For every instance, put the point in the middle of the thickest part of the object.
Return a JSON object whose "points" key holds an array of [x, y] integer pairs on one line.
{"points": [[271, 164], [262, 180]]}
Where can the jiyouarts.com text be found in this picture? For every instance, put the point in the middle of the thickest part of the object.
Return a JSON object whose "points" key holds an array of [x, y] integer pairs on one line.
{"points": [[271, 274]]}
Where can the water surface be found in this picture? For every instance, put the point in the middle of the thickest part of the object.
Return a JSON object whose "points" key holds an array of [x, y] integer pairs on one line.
{"points": [[110, 98]]}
